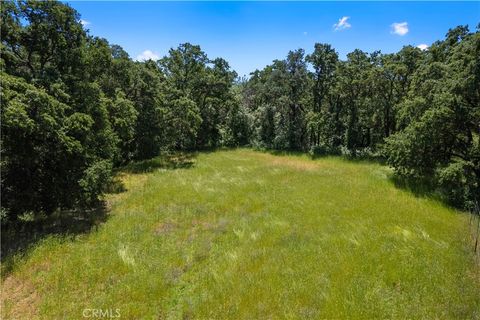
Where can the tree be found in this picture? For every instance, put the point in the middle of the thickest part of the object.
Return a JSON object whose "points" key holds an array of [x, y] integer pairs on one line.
{"points": [[280, 101], [74, 106], [217, 98], [441, 143], [123, 117], [353, 77], [47, 157], [322, 120], [148, 97], [47, 47], [202, 86], [298, 86], [57, 137]]}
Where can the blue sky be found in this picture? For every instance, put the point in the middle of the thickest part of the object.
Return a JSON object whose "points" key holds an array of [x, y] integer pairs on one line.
{"points": [[250, 35]]}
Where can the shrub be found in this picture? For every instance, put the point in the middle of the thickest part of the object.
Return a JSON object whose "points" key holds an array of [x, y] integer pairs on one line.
{"points": [[95, 181]]}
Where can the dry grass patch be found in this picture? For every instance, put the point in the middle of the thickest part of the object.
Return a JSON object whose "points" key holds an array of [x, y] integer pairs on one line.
{"points": [[165, 228], [301, 165], [295, 163], [19, 299]]}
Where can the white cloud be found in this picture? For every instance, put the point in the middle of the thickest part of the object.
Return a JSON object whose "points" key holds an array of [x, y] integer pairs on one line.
{"points": [[422, 46], [147, 55], [342, 24], [84, 22], [400, 28], [305, 33]]}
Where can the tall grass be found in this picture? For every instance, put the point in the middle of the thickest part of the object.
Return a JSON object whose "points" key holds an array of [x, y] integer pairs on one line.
{"points": [[246, 235]]}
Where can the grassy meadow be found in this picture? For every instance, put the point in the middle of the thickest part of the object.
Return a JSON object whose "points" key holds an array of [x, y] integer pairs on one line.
{"points": [[248, 235]]}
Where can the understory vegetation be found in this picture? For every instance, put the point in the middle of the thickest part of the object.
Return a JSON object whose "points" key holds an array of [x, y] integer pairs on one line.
{"points": [[74, 107], [249, 235]]}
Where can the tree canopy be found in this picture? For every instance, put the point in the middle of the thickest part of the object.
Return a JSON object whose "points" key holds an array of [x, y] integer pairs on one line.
{"points": [[75, 106]]}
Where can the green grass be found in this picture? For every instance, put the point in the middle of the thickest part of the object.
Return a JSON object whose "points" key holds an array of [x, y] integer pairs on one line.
{"points": [[248, 235]]}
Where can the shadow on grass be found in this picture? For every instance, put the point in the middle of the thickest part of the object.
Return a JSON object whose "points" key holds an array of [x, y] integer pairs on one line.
{"points": [[421, 188], [17, 237], [426, 188], [283, 152], [418, 187], [170, 161], [356, 159], [166, 161]]}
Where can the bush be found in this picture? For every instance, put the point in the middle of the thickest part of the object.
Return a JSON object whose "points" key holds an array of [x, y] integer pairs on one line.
{"points": [[318, 151], [455, 182], [323, 150], [95, 181]]}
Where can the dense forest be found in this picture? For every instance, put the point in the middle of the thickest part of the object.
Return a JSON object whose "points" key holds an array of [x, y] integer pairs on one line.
{"points": [[74, 107]]}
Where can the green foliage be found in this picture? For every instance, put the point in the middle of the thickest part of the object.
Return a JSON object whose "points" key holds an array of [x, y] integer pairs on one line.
{"points": [[237, 128], [123, 117], [55, 125], [46, 153], [202, 87], [185, 120], [419, 109], [95, 180], [31, 123], [454, 181], [278, 98], [42, 41], [73, 101], [148, 103], [441, 119], [323, 150], [75, 106]]}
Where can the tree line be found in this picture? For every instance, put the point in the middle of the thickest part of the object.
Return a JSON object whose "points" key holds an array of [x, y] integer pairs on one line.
{"points": [[418, 110], [74, 107]]}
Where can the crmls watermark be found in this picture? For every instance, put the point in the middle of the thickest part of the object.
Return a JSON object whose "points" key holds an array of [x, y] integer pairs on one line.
{"points": [[101, 313]]}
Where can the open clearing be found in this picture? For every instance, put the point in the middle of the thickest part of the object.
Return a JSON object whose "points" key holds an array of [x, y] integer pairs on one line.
{"points": [[243, 234]]}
